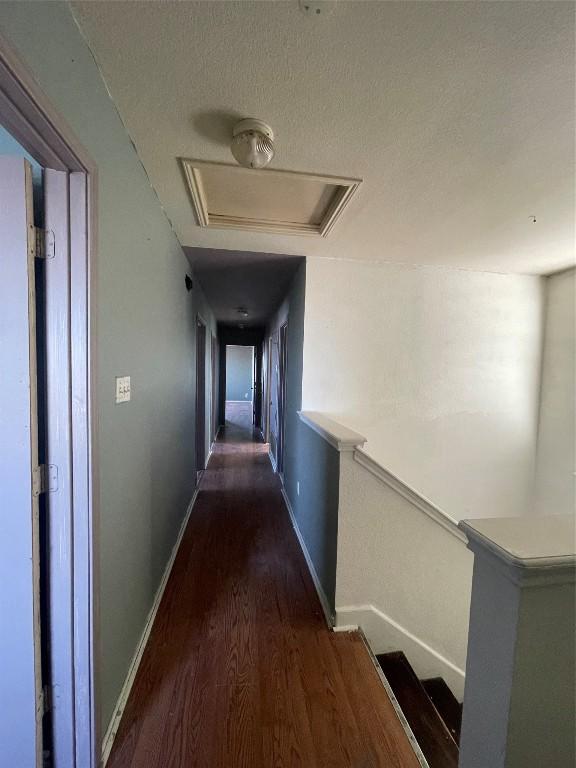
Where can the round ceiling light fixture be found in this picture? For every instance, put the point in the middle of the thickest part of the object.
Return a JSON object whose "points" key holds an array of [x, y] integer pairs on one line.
{"points": [[252, 143]]}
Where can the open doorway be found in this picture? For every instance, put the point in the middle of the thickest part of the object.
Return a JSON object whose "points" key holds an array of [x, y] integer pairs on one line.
{"points": [[240, 379], [47, 549]]}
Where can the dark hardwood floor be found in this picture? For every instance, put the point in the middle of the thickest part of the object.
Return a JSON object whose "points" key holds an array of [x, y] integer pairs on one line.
{"points": [[240, 670]]}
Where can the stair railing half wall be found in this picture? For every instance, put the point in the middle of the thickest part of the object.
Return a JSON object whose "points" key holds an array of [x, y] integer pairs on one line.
{"points": [[404, 574], [487, 604]]}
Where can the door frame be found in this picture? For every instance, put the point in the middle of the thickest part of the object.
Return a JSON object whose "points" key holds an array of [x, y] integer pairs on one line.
{"points": [[269, 374], [34, 122], [200, 407], [281, 394], [213, 387], [255, 384]]}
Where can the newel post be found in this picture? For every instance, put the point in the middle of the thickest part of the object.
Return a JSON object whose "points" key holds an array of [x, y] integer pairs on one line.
{"points": [[520, 670]]}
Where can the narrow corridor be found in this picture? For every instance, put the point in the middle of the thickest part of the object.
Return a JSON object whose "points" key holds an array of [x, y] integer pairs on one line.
{"points": [[241, 670]]}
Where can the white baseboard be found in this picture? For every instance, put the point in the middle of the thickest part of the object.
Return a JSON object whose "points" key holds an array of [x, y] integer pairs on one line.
{"points": [[386, 635], [272, 460], [211, 451], [110, 735], [345, 628], [321, 594]]}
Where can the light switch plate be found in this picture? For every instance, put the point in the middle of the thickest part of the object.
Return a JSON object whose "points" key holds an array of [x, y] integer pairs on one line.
{"points": [[122, 389]]}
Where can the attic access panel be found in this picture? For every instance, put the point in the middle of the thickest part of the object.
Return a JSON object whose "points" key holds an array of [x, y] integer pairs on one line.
{"points": [[284, 202]]}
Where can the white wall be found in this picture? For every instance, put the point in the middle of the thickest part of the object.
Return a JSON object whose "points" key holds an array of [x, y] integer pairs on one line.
{"points": [[556, 437], [402, 577], [438, 368]]}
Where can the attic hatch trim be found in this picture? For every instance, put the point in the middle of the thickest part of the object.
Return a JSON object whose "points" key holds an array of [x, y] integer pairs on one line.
{"points": [[345, 188]]}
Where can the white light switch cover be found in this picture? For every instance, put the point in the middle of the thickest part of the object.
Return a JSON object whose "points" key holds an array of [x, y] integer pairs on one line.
{"points": [[122, 389]]}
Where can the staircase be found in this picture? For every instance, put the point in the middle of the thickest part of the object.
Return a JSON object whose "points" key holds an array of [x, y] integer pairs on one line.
{"points": [[429, 706]]}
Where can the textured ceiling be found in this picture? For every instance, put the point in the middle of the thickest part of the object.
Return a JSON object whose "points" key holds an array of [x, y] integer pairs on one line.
{"points": [[459, 117], [231, 279]]}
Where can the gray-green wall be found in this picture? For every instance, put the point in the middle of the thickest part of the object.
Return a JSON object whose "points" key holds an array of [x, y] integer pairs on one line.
{"points": [[146, 329], [309, 460]]}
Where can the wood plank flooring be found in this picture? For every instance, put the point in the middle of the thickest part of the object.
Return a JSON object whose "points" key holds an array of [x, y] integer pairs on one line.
{"points": [[241, 670]]}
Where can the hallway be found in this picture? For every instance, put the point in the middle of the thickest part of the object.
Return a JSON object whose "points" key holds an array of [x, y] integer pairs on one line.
{"points": [[240, 670]]}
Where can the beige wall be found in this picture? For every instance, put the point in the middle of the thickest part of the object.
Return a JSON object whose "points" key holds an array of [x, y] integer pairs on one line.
{"points": [[438, 368]]}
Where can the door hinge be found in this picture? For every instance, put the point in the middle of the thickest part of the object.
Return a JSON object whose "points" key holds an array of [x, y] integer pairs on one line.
{"points": [[45, 479], [45, 243], [46, 699]]}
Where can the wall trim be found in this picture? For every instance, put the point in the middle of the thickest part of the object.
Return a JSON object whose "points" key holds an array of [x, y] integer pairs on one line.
{"points": [[411, 495], [319, 590], [272, 460], [385, 635], [112, 729]]}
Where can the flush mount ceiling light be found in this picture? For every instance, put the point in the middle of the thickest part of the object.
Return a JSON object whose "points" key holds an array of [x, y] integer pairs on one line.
{"points": [[252, 143]]}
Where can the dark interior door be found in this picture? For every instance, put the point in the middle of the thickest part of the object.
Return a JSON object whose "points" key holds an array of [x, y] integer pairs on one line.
{"points": [[258, 386], [200, 395], [214, 404], [282, 366], [254, 387]]}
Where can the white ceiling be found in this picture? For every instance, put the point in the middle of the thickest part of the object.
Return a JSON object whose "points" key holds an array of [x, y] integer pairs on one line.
{"points": [[458, 116]]}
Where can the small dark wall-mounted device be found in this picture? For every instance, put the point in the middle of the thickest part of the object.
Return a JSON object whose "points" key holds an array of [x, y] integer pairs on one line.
{"points": [[188, 282]]}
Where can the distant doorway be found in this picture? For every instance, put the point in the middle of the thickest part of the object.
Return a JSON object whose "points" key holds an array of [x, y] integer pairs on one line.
{"points": [[240, 380]]}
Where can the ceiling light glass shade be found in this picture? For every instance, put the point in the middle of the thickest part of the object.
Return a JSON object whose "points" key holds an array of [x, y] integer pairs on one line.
{"points": [[253, 143]]}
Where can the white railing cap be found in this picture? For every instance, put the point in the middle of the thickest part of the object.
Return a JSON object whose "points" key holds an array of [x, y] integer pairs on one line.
{"points": [[340, 437], [525, 543]]}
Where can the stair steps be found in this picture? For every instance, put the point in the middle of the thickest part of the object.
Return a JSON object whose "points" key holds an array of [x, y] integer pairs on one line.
{"points": [[430, 708], [448, 706]]}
